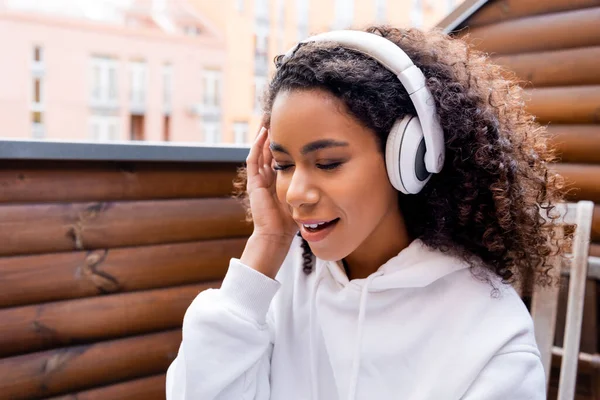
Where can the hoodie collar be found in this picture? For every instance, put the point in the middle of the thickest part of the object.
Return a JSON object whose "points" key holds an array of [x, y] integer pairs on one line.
{"points": [[415, 266]]}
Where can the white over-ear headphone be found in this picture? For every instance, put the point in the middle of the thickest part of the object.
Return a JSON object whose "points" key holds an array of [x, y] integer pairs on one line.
{"points": [[415, 145]]}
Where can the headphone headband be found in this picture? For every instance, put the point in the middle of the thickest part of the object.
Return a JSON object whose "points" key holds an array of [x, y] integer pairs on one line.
{"points": [[392, 57]]}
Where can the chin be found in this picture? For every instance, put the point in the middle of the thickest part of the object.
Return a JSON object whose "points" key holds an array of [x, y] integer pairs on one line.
{"points": [[328, 252]]}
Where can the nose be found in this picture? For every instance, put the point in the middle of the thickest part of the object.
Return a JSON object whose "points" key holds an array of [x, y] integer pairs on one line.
{"points": [[301, 192]]}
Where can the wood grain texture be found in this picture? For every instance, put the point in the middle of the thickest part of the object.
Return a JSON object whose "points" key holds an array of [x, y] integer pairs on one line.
{"points": [[71, 369], [595, 249], [68, 181], [48, 228], [583, 180], [570, 67], [150, 388], [59, 324], [50, 277], [596, 224], [563, 30], [576, 143], [504, 10], [568, 105]]}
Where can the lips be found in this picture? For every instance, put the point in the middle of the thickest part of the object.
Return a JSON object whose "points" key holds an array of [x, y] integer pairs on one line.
{"points": [[321, 225], [316, 230]]}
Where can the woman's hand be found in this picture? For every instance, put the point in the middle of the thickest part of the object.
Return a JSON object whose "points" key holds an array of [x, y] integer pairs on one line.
{"points": [[274, 227], [271, 218]]}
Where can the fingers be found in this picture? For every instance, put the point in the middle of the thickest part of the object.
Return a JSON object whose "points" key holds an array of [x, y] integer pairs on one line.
{"points": [[267, 158], [252, 161]]}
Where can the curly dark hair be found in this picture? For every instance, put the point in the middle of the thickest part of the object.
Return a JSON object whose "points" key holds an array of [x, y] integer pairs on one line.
{"points": [[492, 204]]}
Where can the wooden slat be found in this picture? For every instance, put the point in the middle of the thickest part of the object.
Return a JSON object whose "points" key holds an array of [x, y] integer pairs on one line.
{"points": [[575, 300], [555, 31], [561, 314], [572, 104], [544, 305], [596, 224], [151, 388], [50, 277], [555, 68], [45, 228], [595, 249], [504, 10], [576, 143], [583, 179], [587, 363], [44, 181], [40, 327], [589, 326], [71, 369]]}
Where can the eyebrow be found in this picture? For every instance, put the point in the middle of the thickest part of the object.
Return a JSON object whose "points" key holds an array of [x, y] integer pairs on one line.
{"points": [[310, 147]]}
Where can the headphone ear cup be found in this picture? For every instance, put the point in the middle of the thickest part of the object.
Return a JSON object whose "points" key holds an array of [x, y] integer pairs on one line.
{"points": [[405, 156]]}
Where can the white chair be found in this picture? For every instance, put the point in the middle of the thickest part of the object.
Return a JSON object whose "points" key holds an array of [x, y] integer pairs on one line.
{"points": [[545, 300]]}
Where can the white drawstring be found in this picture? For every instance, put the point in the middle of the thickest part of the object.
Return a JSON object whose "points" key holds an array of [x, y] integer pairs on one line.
{"points": [[312, 336], [358, 351]]}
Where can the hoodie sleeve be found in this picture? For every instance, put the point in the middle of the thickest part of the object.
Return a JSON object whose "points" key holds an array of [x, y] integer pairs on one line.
{"points": [[517, 375], [226, 342]]}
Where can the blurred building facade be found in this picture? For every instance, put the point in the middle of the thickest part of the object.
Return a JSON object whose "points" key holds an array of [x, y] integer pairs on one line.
{"points": [[162, 70], [255, 31], [140, 71]]}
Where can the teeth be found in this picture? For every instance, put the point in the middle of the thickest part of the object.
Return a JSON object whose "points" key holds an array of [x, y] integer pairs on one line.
{"points": [[314, 226]]}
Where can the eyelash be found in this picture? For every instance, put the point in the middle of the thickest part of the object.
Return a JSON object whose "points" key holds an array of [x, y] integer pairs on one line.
{"points": [[325, 167]]}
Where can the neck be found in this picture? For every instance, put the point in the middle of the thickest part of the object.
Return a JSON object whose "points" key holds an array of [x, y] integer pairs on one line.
{"points": [[386, 241]]}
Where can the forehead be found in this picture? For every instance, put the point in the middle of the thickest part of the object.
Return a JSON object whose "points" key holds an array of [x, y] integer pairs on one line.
{"points": [[303, 116]]}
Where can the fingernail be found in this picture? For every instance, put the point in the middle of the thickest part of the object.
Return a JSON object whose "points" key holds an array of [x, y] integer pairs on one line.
{"points": [[262, 131]]}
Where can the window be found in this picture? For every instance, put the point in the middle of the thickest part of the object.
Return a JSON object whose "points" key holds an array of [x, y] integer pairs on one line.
{"points": [[138, 83], [212, 132], [167, 128], [192, 30], [261, 49], [37, 125], [416, 13], [302, 11], [37, 94], [240, 132], [239, 5], [260, 83], [167, 86], [104, 128], [212, 90], [38, 54], [344, 13], [380, 10], [103, 81], [261, 9], [281, 7]]}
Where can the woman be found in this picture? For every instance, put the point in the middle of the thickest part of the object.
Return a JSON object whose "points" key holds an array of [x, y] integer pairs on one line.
{"points": [[410, 232]]}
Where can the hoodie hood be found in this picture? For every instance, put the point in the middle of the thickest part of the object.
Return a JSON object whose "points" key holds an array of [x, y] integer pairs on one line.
{"points": [[415, 266]]}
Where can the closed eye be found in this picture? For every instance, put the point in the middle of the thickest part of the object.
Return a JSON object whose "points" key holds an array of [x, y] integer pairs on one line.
{"points": [[325, 167], [329, 166], [279, 167]]}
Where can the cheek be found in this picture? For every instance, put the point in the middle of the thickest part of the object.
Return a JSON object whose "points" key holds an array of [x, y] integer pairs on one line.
{"points": [[370, 194]]}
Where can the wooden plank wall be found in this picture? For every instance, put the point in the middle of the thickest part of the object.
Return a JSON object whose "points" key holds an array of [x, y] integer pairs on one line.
{"points": [[554, 47], [98, 263]]}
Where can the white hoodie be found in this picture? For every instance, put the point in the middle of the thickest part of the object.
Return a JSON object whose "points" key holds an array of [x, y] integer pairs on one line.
{"points": [[421, 327]]}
